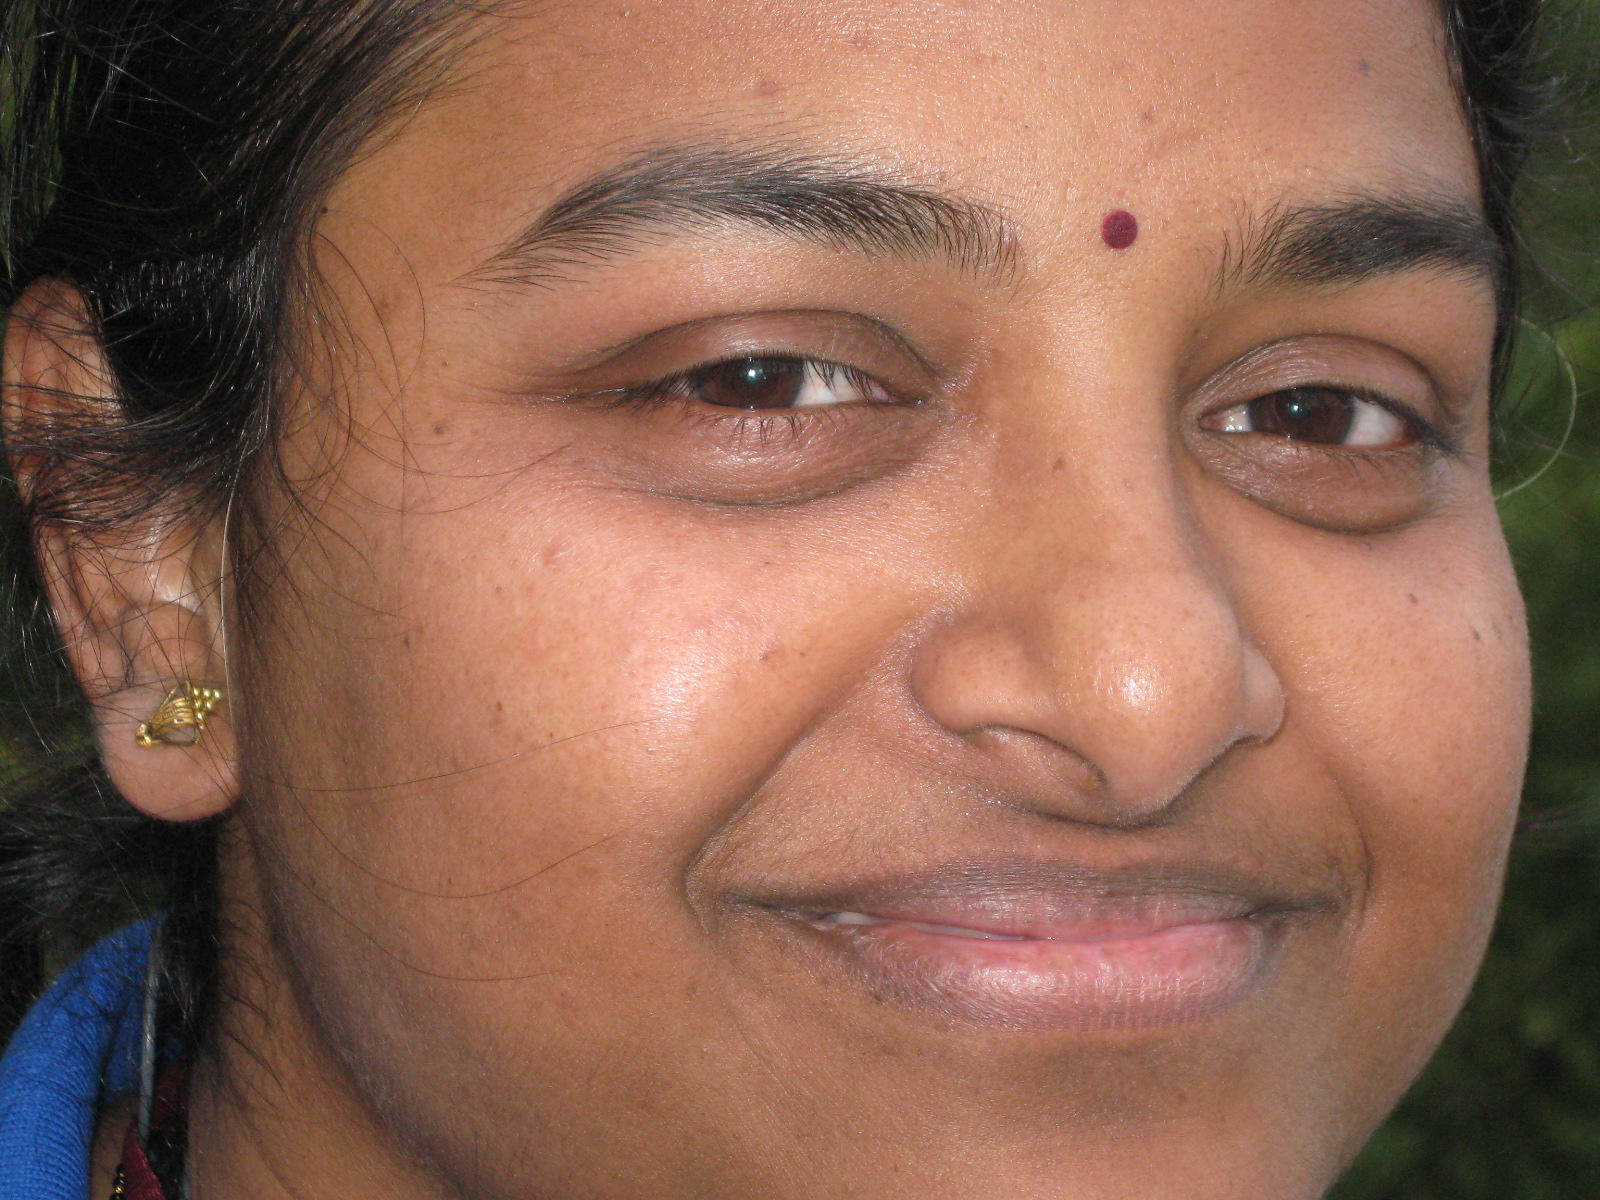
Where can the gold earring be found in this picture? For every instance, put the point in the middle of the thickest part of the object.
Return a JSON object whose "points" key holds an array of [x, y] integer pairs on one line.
{"points": [[181, 719]]}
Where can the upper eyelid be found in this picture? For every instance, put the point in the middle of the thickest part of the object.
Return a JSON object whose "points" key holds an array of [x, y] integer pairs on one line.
{"points": [[1342, 361], [1307, 357], [841, 320]]}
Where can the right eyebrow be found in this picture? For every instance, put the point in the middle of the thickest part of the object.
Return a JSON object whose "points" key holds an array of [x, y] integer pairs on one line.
{"points": [[1349, 240], [677, 188]]}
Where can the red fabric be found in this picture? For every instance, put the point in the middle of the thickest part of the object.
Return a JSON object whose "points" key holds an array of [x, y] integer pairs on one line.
{"points": [[167, 1111], [138, 1180]]}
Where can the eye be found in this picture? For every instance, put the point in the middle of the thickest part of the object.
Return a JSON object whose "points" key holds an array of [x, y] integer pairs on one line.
{"points": [[775, 382], [1323, 416]]}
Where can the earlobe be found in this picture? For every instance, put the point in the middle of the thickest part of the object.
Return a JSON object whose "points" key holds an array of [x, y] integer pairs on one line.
{"points": [[135, 595], [169, 751], [181, 717]]}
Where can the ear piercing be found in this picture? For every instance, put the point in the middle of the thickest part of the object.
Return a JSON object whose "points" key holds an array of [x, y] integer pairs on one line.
{"points": [[181, 718]]}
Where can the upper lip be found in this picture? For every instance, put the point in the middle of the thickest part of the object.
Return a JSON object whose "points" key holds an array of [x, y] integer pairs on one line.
{"points": [[1029, 898]]}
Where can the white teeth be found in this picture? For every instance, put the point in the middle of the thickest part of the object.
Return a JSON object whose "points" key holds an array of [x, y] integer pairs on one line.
{"points": [[855, 918], [958, 931], [850, 918]]}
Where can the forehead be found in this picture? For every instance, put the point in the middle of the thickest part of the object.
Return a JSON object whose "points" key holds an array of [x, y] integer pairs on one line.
{"points": [[1181, 108]]}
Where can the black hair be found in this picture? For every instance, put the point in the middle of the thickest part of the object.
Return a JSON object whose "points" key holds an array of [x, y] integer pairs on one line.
{"points": [[167, 158]]}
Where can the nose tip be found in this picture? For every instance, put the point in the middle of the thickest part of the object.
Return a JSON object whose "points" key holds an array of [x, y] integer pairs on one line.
{"points": [[1107, 704], [1161, 720]]}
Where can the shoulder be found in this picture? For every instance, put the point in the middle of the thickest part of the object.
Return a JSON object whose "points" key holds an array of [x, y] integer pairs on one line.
{"points": [[76, 1049]]}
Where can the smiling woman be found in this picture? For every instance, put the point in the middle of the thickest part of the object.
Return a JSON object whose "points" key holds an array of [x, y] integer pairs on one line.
{"points": [[653, 602]]}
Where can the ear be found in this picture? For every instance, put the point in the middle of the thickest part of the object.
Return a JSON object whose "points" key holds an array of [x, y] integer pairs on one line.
{"points": [[137, 600]]}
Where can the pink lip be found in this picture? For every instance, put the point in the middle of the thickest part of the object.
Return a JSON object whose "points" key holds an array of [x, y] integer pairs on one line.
{"points": [[1049, 948]]}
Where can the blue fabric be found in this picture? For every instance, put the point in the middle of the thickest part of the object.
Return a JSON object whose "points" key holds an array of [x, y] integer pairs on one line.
{"points": [[77, 1048]]}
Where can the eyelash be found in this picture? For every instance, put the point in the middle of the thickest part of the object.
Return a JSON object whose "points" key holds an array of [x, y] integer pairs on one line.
{"points": [[1430, 437], [745, 429], [677, 388], [1423, 437], [796, 420]]}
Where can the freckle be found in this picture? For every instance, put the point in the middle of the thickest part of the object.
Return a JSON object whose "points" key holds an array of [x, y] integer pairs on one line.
{"points": [[1059, 464], [1148, 115], [1119, 229], [1476, 636], [440, 428], [499, 706], [1364, 66]]}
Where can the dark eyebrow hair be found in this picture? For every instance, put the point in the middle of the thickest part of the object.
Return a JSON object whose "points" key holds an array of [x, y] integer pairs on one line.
{"points": [[671, 188], [1347, 241], [675, 188]]}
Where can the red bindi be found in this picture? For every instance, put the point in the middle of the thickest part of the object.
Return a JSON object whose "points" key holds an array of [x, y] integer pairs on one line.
{"points": [[1119, 229]]}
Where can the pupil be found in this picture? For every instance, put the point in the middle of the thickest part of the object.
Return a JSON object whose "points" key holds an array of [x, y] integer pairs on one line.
{"points": [[752, 383], [1318, 415]]}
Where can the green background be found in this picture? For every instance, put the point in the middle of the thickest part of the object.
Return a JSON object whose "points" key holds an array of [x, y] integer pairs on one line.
{"points": [[1510, 1107]]}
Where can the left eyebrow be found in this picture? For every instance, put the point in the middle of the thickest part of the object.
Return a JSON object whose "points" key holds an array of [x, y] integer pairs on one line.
{"points": [[674, 189], [1350, 241]]}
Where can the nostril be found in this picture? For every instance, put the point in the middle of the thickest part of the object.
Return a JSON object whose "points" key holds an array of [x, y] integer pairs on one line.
{"points": [[1264, 704], [1103, 679], [1038, 773]]}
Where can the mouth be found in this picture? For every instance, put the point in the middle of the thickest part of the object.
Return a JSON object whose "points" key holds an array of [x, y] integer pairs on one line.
{"points": [[1035, 946]]}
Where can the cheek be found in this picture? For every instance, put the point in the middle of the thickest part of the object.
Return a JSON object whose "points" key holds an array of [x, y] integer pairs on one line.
{"points": [[523, 719], [1405, 662], [568, 676], [1410, 667], [1449, 738]]}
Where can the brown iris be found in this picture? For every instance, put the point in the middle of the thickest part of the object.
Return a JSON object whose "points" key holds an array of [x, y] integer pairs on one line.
{"points": [[750, 383], [1307, 414]]}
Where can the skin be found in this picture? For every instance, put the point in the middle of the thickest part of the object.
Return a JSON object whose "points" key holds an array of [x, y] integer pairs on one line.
{"points": [[536, 683]]}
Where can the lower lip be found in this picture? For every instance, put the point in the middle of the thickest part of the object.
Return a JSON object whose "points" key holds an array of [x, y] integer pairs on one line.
{"points": [[1100, 978]]}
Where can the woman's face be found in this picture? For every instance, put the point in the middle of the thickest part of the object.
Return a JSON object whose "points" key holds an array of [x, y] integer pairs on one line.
{"points": [[883, 600]]}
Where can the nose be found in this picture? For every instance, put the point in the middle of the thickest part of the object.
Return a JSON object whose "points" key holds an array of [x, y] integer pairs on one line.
{"points": [[1105, 662]]}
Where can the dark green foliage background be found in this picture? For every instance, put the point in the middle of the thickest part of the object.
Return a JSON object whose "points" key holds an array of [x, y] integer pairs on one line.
{"points": [[1510, 1107]]}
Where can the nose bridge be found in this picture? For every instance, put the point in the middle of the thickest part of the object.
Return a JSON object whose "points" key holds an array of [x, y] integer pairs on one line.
{"points": [[1106, 629]]}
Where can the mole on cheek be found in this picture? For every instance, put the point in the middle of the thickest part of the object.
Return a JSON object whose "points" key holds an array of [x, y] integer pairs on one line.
{"points": [[1119, 229]]}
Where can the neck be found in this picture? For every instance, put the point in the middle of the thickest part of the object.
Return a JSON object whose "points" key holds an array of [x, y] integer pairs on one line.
{"points": [[273, 1111]]}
